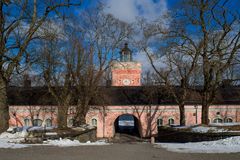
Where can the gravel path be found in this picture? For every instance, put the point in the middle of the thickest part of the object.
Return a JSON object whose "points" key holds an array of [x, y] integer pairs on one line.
{"points": [[109, 152]]}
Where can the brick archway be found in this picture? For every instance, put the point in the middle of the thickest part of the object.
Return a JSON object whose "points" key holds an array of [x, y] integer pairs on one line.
{"points": [[133, 130], [147, 123], [108, 130]]}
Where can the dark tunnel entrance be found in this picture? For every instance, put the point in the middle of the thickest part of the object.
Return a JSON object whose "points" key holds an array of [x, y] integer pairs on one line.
{"points": [[127, 124]]}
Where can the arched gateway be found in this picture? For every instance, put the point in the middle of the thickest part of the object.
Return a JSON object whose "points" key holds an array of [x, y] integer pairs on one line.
{"points": [[145, 118], [127, 124]]}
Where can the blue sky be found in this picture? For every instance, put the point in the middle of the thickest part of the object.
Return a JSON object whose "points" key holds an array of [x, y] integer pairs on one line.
{"points": [[127, 9]]}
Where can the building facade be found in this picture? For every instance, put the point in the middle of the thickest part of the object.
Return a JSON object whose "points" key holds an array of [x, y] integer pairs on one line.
{"points": [[127, 97]]}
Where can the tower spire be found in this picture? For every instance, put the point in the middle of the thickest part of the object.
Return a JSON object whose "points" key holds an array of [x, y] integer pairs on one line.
{"points": [[126, 54]]}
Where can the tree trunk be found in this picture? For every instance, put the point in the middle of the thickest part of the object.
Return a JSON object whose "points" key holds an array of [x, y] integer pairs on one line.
{"points": [[78, 120], [205, 110], [182, 114], [4, 110], [62, 117], [79, 117], [82, 119], [82, 110]]}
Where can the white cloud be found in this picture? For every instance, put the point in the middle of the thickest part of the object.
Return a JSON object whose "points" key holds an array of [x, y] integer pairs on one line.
{"points": [[129, 10], [141, 57], [124, 10]]}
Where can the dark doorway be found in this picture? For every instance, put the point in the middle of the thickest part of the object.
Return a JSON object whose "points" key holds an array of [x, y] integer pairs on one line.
{"points": [[127, 124]]}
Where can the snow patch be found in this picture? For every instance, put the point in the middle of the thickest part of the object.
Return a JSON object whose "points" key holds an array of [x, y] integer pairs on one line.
{"points": [[228, 145], [10, 140], [17, 135], [202, 129], [6, 144], [51, 133], [69, 143], [224, 124]]}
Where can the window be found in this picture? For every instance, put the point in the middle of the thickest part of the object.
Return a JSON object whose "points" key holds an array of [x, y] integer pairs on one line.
{"points": [[26, 122], [94, 122], [48, 123], [37, 122], [228, 120], [159, 122], [170, 121], [217, 120], [71, 111], [70, 122]]}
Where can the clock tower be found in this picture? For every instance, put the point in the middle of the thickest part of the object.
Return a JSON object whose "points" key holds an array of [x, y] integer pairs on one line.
{"points": [[126, 72]]}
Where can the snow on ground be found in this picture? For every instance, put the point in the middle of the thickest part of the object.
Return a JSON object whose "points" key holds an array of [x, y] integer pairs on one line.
{"points": [[69, 143], [36, 128], [228, 145], [6, 144], [9, 140], [202, 129], [224, 124], [213, 128]]}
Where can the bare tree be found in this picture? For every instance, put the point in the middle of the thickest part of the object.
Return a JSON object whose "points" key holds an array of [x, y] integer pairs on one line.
{"points": [[174, 61], [19, 23], [205, 35], [89, 64], [177, 74], [57, 76], [75, 65], [216, 37]]}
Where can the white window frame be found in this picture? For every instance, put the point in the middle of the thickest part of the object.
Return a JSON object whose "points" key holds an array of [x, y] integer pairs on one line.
{"points": [[27, 119], [37, 119], [68, 122], [227, 118], [94, 122], [216, 120], [160, 119], [169, 121], [47, 123]]}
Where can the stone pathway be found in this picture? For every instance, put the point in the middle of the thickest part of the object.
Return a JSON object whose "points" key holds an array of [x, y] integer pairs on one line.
{"points": [[126, 138]]}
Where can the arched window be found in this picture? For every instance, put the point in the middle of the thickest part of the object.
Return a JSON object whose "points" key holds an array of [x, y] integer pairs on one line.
{"points": [[70, 122], [26, 122], [217, 120], [37, 122], [228, 120], [94, 122], [159, 122], [170, 121], [48, 123]]}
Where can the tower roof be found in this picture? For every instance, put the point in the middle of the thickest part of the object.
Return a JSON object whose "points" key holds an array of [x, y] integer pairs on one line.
{"points": [[126, 49], [140, 95], [126, 54]]}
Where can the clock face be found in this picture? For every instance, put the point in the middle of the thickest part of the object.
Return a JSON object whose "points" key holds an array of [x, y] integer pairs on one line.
{"points": [[126, 82]]}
